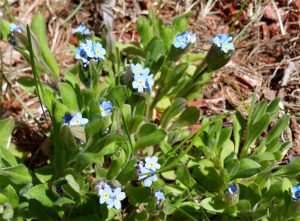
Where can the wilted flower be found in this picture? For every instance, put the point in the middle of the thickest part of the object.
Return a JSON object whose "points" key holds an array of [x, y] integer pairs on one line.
{"points": [[160, 196], [78, 120], [139, 164], [81, 29], [191, 37], [295, 192], [233, 190], [105, 108], [151, 163], [149, 178]]}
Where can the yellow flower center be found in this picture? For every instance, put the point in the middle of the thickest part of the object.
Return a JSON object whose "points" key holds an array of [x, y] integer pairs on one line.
{"points": [[77, 121], [116, 198], [137, 70], [219, 42], [105, 195], [182, 41], [101, 110], [226, 48], [148, 175], [97, 52], [151, 164], [140, 82]]}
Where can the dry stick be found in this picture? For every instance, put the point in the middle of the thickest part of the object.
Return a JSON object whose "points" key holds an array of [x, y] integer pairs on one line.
{"points": [[279, 18]]}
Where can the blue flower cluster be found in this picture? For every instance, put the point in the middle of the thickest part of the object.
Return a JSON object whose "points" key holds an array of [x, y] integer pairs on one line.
{"points": [[105, 108], [89, 51], [223, 41], [160, 196], [184, 39], [151, 165], [295, 192], [142, 79], [112, 197], [77, 119], [81, 29]]}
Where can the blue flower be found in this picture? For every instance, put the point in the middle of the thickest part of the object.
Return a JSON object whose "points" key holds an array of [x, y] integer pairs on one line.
{"points": [[223, 41], [151, 163], [105, 108], [149, 83], [67, 118], [295, 192], [149, 178], [139, 82], [160, 196], [136, 68], [191, 37], [13, 27], [116, 197], [81, 29], [99, 51], [227, 46], [181, 41], [233, 190], [81, 55], [78, 120], [88, 48], [106, 195]]}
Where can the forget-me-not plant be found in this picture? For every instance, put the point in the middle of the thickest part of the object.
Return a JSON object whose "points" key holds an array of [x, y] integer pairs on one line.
{"points": [[77, 119], [81, 55], [88, 48], [106, 195], [160, 196], [99, 51], [148, 178], [83, 30], [295, 192], [117, 197], [142, 79], [139, 82], [151, 163], [67, 118], [181, 41], [223, 41], [112, 197], [105, 108], [233, 190]]}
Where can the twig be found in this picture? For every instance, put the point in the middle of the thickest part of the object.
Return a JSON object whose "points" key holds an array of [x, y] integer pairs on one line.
{"points": [[287, 73], [279, 18]]}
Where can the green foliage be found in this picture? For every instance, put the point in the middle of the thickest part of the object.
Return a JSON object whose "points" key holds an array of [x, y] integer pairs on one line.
{"points": [[195, 171]]}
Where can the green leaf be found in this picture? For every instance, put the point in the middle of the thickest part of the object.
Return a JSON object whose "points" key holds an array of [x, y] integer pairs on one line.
{"points": [[117, 95], [82, 160], [184, 176], [180, 22], [114, 168], [18, 174], [127, 172], [188, 117], [42, 194], [177, 106], [71, 78], [238, 130], [72, 183], [63, 201], [277, 129], [154, 49], [6, 127], [149, 135], [4, 28], [11, 195], [137, 194], [7, 159], [144, 30], [247, 168], [59, 111], [48, 98], [27, 84], [44, 174], [169, 175], [224, 136], [38, 26], [213, 204], [134, 123], [289, 170], [68, 96], [67, 138]]}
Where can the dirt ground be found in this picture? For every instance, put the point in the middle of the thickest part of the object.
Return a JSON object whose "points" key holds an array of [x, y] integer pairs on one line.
{"points": [[266, 59]]}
